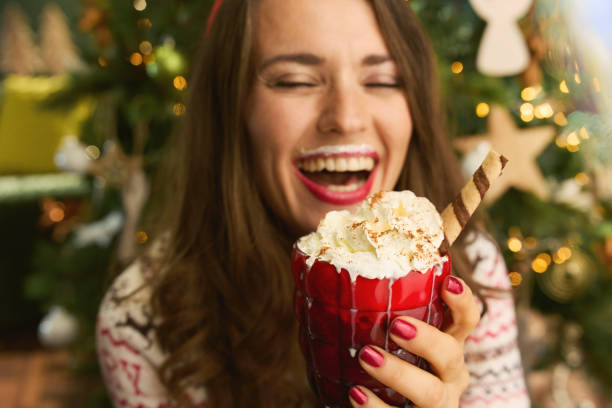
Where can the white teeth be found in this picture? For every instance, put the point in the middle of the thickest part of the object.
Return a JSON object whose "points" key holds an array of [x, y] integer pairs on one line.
{"points": [[339, 164], [343, 189], [320, 164]]}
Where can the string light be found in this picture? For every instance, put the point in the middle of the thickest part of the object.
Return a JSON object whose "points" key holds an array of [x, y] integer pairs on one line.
{"points": [[582, 178], [561, 141], [539, 265], [526, 112], [180, 82], [482, 109], [136, 59], [583, 133], [141, 237], [515, 244], [515, 278], [102, 62], [577, 78], [563, 87], [140, 5], [560, 119], [530, 93], [179, 109], [572, 139], [144, 23], [596, 85], [562, 255], [93, 152], [145, 47], [56, 214], [543, 111], [545, 257], [457, 67]]}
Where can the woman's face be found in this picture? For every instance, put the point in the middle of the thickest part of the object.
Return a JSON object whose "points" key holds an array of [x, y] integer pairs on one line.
{"points": [[327, 118]]}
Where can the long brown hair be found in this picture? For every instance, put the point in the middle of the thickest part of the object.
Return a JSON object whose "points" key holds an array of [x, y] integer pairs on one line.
{"points": [[224, 297]]}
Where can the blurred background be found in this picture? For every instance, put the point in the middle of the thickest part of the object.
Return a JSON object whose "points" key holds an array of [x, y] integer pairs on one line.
{"points": [[91, 89]]}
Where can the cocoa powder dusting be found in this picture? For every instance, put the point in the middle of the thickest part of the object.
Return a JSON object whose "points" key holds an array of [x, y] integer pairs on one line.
{"points": [[376, 198], [356, 225], [323, 250]]}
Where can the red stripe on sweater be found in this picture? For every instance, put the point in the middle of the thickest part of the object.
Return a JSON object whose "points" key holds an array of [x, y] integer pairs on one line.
{"points": [[494, 398], [492, 334], [118, 343]]}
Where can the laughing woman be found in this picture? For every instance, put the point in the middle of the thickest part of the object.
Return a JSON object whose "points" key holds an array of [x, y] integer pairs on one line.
{"points": [[204, 317]]}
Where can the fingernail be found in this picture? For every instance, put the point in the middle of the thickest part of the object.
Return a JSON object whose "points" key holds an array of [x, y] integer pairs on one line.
{"points": [[371, 356], [358, 396], [403, 329], [453, 285]]}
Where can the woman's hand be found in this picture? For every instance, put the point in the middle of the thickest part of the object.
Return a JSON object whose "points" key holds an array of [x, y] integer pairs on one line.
{"points": [[442, 349]]}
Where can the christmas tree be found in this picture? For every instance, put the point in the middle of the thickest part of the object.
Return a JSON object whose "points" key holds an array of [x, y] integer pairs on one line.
{"points": [[551, 212]]}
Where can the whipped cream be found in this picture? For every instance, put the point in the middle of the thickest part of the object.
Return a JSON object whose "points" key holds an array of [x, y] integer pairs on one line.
{"points": [[389, 235]]}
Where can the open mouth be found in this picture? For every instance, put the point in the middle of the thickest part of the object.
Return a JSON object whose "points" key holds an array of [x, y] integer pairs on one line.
{"points": [[340, 178]]}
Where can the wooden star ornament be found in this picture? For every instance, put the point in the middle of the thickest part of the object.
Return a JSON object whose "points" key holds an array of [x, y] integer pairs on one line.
{"points": [[520, 146]]}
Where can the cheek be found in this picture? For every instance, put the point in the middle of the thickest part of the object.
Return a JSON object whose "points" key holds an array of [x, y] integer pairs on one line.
{"points": [[273, 126], [398, 133]]}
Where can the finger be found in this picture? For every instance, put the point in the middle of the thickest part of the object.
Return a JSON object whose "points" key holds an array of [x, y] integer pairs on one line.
{"points": [[421, 387], [361, 397], [464, 310], [443, 352]]}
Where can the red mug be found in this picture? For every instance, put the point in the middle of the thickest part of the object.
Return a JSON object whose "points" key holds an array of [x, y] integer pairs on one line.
{"points": [[337, 317]]}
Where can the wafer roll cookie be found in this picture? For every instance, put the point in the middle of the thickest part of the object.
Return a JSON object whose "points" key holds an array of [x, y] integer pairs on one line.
{"points": [[457, 214]]}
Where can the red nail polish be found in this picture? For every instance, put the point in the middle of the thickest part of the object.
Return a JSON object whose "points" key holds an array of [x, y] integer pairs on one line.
{"points": [[371, 356], [403, 329], [453, 285], [358, 396]]}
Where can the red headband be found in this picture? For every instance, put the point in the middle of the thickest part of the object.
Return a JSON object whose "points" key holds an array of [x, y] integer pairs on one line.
{"points": [[212, 15]]}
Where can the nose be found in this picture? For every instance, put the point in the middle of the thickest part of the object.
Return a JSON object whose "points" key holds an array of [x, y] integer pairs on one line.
{"points": [[342, 111]]}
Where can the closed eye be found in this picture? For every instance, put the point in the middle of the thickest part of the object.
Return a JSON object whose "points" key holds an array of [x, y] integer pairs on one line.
{"points": [[287, 84], [382, 85]]}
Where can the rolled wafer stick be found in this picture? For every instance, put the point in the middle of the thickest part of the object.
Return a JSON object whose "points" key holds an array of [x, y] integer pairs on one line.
{"points": [[457, 214]]}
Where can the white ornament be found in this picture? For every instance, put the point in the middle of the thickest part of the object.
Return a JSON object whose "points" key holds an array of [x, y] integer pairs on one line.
{"points": [[72, 156], [472, 160], [570, 193], [100, 232], [503, 50], [58, 328]]}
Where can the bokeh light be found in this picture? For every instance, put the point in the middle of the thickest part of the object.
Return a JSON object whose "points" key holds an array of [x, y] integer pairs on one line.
{"points": [[560, 119], [515, 244], [457, 67], [180, 82], [582, 178], [142, 237], [93, 152], [140, 5], [515, 278], [145, 47], [482, 109], [136, 59], [179, 109]]}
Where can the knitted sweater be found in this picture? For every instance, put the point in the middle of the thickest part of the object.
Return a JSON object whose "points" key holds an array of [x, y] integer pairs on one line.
{"points": [[129, 352]]}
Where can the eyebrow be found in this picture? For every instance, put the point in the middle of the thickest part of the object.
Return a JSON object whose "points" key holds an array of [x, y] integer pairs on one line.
{"points": [[313, 60]]}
